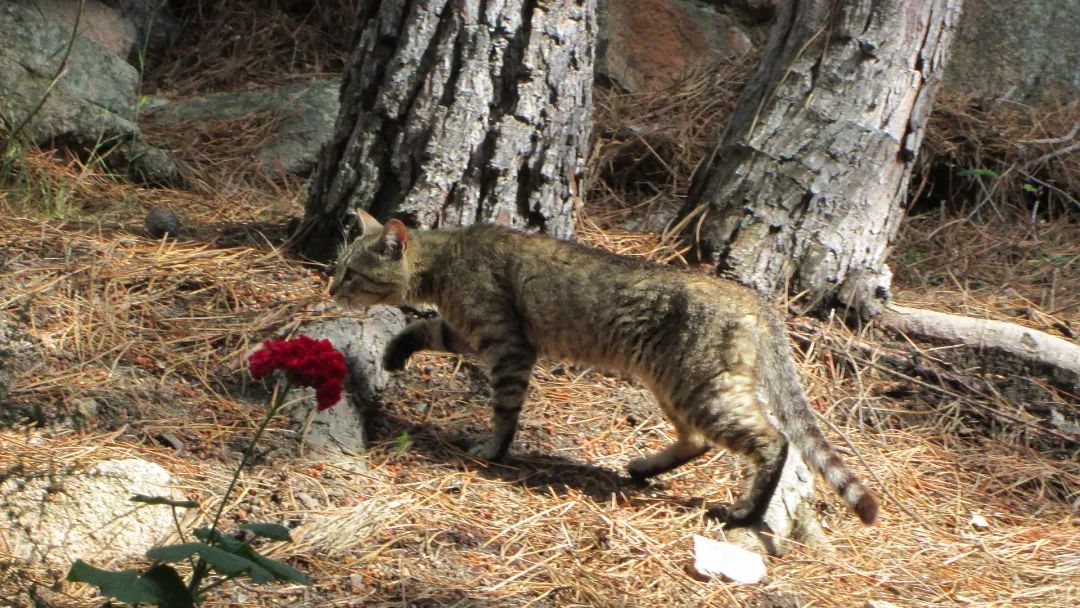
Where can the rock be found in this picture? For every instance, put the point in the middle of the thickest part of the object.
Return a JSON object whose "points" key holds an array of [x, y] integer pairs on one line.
{"points": [[19, 350], [84, 408], [94, 99], [55, 517], [649, 44], [153, 22], [98, 22], [306, 111], [150, 165], [715, 558], [979, 522], [337, 431], [1027, 50], [161, 222], [122, 27], [91, 108], [340, 429], [880, 604]]}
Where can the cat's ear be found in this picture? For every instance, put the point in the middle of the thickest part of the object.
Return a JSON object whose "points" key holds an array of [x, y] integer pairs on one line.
{"points": [[358, 223], [395, 238]]}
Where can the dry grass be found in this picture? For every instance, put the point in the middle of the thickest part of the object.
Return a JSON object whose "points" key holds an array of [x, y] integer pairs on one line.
{"points": [[156, 332], [220, 155], [1026, 272], [995, 228], [233, 45], [1000, 159], [645, 145]]}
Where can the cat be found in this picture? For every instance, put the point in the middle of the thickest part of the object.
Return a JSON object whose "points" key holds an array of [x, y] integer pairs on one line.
{"points": [[701, 344]]}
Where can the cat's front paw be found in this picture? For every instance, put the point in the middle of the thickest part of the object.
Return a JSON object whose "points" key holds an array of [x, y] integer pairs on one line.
{"points": [[640, 470], [398, 350], [488, 450]]}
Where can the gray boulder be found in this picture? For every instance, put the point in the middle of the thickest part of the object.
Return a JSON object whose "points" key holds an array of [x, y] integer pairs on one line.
{"points": [[153, 23], [1027, 50], [649, 44], [93, 101], [306, 112], [98, 22], [91, 107]]}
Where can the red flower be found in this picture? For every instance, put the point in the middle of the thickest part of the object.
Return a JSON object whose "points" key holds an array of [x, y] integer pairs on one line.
{"points": [[306, 362]]}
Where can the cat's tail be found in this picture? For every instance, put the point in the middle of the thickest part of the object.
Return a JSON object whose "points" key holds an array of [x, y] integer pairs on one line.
{"points": [[789, 403]]}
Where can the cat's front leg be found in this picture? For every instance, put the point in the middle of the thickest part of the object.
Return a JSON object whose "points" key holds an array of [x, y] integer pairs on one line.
{"points": [[511, 364], [425, 334]]}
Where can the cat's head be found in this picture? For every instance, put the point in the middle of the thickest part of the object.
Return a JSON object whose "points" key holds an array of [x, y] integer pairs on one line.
{"points": [[374, 267]]}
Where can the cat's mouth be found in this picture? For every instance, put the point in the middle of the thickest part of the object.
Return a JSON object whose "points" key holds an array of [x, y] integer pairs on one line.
{"points": [[361, 298]]}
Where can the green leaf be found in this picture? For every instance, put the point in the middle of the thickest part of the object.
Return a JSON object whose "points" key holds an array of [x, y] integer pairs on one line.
{"points": [[402, 442], [160, 585], [164, 500], [279, 569], [221, 561], [124, 585], [171, 590], [1030, 188], [268, 530], [177, 552], [978, 172], [218, 539]]}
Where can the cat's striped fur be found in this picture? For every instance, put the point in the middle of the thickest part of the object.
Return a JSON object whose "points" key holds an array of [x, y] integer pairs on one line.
{"points": [[702, 345]]}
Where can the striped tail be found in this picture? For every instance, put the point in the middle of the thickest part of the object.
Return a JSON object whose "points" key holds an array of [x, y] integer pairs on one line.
{"points": [[789, 403]]}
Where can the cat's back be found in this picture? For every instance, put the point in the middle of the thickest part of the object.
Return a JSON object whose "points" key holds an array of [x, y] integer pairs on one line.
{"points": [[572, 272], [584, 304]]}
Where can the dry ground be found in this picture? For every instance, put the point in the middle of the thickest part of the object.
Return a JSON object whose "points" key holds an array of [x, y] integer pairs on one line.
{"points": [[157, 333]]}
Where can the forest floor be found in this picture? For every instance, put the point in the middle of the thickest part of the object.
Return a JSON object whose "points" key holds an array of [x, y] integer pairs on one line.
{"points": [[158, 333]]}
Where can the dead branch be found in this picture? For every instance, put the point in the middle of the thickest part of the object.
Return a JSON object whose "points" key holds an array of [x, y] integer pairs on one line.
{"points": [[1060, 358], [909, 365]]}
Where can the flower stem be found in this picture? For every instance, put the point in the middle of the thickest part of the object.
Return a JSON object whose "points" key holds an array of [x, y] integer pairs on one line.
{"points": [[281, 389]]}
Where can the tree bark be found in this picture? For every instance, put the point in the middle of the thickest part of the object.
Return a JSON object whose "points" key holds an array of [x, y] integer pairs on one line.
{"points": [[455, 112], [806, 188]]}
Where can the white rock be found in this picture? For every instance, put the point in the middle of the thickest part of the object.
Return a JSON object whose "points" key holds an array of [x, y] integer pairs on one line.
{"points": [[61, 516], [339, 431], [979, 521], [715, 558]]}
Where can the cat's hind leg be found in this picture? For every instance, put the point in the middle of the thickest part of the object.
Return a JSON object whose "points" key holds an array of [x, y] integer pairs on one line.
{"points": [[685, 449]]}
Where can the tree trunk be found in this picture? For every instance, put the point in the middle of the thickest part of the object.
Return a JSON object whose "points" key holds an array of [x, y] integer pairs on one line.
{"points": [[806, 189], [459, 111]]}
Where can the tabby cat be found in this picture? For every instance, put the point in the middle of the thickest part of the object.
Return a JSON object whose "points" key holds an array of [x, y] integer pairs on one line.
{"points": [[701, 344]]}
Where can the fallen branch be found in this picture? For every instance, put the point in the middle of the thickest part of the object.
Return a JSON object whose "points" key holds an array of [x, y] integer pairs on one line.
{"points": [[1058, 357], [972, 392]]}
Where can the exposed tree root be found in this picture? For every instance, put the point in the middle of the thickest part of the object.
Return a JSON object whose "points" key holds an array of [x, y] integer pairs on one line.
{"points": [[1058, 358]]}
